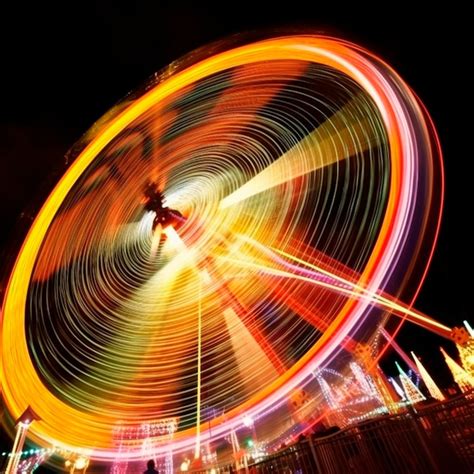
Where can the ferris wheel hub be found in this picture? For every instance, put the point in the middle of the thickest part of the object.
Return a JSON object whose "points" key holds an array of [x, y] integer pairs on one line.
{"points": [[154, 202]]}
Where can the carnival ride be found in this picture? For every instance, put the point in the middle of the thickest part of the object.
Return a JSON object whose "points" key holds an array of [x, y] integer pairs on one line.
{"points": [[251, 215]]}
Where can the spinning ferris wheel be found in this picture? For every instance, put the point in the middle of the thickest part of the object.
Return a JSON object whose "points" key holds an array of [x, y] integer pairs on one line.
{"points": [[217, 236]]}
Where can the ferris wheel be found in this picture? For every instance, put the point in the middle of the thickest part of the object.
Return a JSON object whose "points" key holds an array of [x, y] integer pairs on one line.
{"points": [[218, 235]]}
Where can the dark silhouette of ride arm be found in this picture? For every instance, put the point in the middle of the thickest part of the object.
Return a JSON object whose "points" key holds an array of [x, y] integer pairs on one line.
{"points": [[164, 216]]}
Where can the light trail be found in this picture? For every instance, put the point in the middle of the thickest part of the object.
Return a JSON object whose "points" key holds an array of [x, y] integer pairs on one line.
{"points": [[396, 307], [334, 140], [197, 449], [345, 287]]}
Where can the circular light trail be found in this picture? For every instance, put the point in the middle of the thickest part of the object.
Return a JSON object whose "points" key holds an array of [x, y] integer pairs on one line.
{"points": [[216, 238]]}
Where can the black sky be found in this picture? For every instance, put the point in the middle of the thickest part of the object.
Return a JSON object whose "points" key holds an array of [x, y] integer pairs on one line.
{"points": [[63, 67]]}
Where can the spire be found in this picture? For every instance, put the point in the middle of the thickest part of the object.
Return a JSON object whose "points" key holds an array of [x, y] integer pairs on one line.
{"points": [[435, 392], [412, 392], [28, 416], [397, 387], [469, 328], [464, 380], [327, 393]]}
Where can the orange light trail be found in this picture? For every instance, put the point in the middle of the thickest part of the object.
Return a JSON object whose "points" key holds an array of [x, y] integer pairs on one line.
{"points": [[357, 291]]}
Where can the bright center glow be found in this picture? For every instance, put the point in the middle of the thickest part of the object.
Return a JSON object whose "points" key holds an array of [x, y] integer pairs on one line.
{"points": [[248, 421]]}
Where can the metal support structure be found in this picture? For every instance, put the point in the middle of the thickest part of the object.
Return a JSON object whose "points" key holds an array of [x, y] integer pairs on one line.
{"points": [[21, 430]]}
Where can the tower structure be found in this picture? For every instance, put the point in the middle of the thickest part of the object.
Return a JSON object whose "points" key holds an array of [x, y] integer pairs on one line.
{"points": [[430, 384], [412, 392], [462, 378], [365, 357], [464, 341], [22, 425]]}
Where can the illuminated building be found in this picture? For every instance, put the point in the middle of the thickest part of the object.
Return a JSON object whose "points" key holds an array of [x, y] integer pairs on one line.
{"points": [[462, 378]]}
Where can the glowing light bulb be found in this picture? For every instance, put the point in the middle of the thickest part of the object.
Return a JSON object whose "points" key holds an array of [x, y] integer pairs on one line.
{"points": [[248, 421]]}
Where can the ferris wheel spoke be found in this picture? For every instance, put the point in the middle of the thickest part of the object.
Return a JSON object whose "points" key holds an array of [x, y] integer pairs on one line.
{"points": [[349, 282], [303, 298], [317, 308], [252, 351], [234, 112], [235, 307], [221, 135], [336, 139], [325, 278], [251, 324], [220, 127]]}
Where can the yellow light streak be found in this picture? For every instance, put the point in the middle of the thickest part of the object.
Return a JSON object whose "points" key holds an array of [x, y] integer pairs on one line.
{"points": [[197, 449], [355, 291], [334, 140]]}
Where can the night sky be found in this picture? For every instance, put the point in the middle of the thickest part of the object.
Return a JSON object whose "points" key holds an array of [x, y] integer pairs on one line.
{"points": [[64, 68]]}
